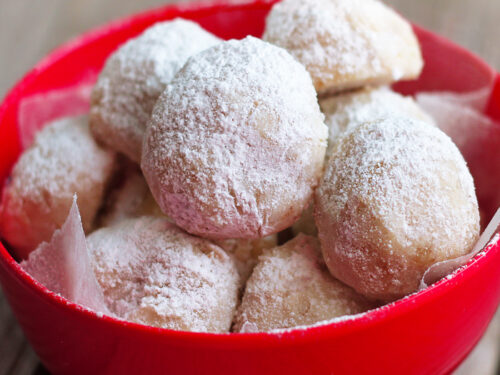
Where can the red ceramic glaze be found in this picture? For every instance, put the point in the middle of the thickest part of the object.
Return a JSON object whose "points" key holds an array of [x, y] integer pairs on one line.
{"points": [[427, 333]]}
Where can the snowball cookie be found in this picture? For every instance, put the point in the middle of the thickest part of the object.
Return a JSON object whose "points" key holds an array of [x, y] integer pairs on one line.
{"points": [[63, 160], [246, 252], [236, 142], [134, 77], [290, 286], [396, 197], [153, 273], [346, 111], [343, 112], [345, 44], [131, 198]]}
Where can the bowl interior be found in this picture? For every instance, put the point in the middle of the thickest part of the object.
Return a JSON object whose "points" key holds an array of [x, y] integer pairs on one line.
{"points": [[63, 79]]}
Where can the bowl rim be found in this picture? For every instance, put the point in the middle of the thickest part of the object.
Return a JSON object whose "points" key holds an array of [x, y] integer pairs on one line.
{"points": [[294, 336]]}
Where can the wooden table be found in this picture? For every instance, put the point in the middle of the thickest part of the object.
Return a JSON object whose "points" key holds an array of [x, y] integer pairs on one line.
{"points": [[29, 29]]}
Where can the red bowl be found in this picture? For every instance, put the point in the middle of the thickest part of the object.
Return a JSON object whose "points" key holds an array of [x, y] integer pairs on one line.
{"points": [[429, 332]]}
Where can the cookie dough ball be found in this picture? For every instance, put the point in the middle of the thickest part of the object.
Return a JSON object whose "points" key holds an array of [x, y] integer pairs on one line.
{"points": [[153, 273], [344, 112], [345, 44], [290, 286], [130, 198], [246, 252], [134, 77], [396, 197], [236, 143], [64, 160]]}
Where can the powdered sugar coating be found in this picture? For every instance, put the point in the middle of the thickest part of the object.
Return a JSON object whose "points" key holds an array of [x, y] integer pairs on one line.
{"points": [[290, 286], [345, 44], [64, 160], [153, 273], [396, 197], [236, 142], [346, 111], [134, 77]]}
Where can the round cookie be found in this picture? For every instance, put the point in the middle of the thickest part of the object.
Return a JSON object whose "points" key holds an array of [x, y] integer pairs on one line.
{"points": [[63, 160], [346, 111], [153, 273], [290, 286], [235, 147], [133, 78], [345, 44], [396, 197]]}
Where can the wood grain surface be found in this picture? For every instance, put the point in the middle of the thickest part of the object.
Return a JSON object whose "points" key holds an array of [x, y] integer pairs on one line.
{"points": [[30, 29]]}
